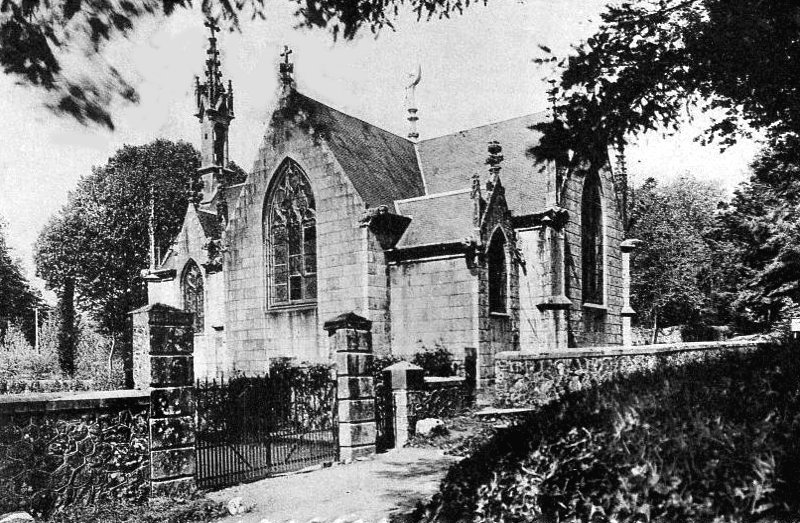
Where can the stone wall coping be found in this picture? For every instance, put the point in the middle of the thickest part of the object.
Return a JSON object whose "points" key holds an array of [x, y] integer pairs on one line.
{"points": [[440, 380], [65, 401], [633, 350]]}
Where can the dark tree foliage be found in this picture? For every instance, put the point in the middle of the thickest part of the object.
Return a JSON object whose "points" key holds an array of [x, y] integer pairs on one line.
{"points": [[651, 61], [67, 328], [100, 238], [758, 234], [34, 35], [17, 298]]}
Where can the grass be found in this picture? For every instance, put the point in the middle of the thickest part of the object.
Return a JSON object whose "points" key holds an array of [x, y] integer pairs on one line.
{"points": [[716, 441]]}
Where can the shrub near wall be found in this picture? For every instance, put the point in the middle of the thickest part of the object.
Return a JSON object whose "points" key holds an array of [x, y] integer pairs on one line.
{"points": [[74, 449], [712, 441], [536, 379]]}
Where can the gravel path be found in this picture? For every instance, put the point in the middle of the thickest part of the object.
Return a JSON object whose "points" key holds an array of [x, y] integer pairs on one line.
{"points": [[387, 486]]}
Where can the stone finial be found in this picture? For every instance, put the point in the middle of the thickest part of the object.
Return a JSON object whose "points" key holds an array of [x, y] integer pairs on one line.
{"points": [[411, 103], [495, 158], [286, 68], [476, 186]]}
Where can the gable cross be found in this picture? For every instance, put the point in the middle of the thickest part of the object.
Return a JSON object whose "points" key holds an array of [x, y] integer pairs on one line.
{"points": [[212, 26], [286, 67]]}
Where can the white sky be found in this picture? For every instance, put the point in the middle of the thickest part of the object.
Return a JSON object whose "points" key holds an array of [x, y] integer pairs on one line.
{"points": [[476, 68]]}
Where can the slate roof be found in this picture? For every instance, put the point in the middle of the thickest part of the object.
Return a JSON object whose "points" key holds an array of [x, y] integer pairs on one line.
{"points": [[438, 218], [210, 223], [448, 162], [381, 165]]}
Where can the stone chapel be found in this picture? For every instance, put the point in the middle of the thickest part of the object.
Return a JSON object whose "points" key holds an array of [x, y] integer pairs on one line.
{"points": [[462, 240]]}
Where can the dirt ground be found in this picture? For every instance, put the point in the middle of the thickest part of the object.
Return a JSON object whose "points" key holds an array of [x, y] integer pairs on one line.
{"points": [[387, 486]]}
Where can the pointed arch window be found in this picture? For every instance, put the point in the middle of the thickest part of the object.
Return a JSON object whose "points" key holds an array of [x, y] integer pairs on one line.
{"points": [[291, 238], [592, 241], [193, 292], [498, 273]]}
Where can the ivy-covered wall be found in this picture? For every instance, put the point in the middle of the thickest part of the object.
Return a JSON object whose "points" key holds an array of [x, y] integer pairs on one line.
{"points": [[524, 379], [57, 450]]}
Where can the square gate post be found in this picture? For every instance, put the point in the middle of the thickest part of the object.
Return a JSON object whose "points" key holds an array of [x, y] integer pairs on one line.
{"points": [[404, 377], [351, 340], [163, 345]]}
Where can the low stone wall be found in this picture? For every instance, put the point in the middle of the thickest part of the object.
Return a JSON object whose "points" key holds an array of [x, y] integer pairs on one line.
{"points": [[62, 448], [36, 386], [527, 379]]}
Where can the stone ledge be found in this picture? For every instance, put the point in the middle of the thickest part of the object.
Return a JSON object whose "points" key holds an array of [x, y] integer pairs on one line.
{"points": [[438, 381], [65, 401], [634, 350]]}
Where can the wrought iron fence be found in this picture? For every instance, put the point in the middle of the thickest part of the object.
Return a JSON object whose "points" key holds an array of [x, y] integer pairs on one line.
{"points": [[251, 427], [384, 413]]}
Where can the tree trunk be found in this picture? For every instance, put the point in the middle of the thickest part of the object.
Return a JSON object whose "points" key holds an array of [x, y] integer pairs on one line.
{"points": [[654, 335], [67, 335]]}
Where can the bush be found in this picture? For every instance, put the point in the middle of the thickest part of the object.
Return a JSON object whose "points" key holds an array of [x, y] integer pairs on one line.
{"points": [[702, 442], [159, 510], [92, 360], [18, 359], [436, 362]]}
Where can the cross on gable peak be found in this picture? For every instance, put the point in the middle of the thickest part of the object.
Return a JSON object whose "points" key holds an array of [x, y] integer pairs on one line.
{"points": [[286, 67], [212, 26]]}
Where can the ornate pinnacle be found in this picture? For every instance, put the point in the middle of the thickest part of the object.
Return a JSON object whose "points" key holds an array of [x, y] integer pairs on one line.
{"points": [[476, 186], [494, 159]]}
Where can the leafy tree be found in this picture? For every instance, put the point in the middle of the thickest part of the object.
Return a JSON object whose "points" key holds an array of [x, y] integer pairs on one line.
{"points": [[36, 34], [17, 298], [759, 234], [671, 276], [651, 61], [99, 239]]}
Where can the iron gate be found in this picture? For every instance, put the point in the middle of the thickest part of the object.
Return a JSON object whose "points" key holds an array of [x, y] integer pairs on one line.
{"points": [[252, 427], [384, 412]]}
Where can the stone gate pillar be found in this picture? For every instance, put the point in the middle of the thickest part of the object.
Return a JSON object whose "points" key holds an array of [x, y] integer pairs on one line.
{"points": [[351, 341], [404, 377], [627, 247], [163, 344]]}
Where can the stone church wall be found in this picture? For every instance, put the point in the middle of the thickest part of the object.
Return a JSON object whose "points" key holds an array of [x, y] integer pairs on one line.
{"points": [[257, 334], [593, 326], [535, 332], [433, 301], [210, 357]]}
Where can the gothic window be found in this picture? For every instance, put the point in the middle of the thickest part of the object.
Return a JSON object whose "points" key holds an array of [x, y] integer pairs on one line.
{"points": [[290, 231], [498, 275], [592, 240], [193, 295]]}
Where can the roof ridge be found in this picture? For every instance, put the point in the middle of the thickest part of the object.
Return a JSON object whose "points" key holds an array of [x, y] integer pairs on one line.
{"points": [[489, 124], [353, 117]]}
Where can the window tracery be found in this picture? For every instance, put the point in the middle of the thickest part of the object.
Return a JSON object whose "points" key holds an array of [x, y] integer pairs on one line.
{"points": [[291, 239], [592, 241]]}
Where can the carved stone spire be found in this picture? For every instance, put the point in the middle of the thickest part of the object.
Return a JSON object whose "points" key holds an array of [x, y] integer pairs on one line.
{"points": [[215, 112]]}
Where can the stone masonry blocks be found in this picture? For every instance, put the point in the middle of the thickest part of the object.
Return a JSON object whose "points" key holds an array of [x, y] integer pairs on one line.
{"points": [[350, 339], [163, 349]]}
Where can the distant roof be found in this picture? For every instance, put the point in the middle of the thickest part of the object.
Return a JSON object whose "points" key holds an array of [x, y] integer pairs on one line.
{"points": [[448, 162], [437, 218], [381, 165]]}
